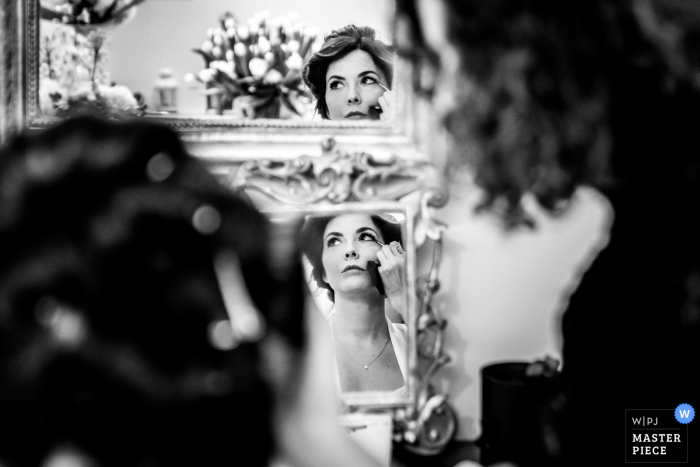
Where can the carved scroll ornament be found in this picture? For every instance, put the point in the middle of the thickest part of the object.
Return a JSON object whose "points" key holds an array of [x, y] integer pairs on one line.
{"points": [[337, 176]]}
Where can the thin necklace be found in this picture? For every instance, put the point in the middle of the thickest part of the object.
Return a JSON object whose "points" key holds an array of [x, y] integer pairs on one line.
{"points": [[367, 365]]}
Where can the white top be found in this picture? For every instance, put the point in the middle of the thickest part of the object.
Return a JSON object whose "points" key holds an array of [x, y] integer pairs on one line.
{"points": [[398, 333]]}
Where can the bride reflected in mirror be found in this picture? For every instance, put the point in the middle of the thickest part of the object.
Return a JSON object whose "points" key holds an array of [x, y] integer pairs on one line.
{"points": [[351, 75], [366, 317]]}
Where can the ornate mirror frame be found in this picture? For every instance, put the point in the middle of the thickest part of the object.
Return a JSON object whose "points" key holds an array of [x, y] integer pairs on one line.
{"points": [[298, 164], [339, 181], [11, 67]]}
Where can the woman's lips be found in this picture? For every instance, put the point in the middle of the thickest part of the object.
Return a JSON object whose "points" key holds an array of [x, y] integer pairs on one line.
{"points": [[352, 267], [355, 115]]}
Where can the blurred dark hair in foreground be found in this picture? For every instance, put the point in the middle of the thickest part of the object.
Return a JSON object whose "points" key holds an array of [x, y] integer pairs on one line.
{"points": [[115, 339], [553, 95], [541, 97]]}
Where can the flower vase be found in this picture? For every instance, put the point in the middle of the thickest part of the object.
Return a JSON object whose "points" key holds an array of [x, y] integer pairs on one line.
{"points": [[272, 109], [245, 107], [218, 103]]}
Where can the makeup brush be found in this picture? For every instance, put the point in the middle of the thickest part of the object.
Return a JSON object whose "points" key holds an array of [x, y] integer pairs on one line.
{"points": [[375, 110]]}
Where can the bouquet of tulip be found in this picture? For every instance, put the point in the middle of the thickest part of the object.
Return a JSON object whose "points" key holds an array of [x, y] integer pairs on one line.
{"points": [[255, 67], [88, 12]]}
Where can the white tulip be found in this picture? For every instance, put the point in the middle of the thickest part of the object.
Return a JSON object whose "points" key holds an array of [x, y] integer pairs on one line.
{"points": [[273, 76], [230, 69], [257, 67], [218, 65], [293, 46], [240, 49], [243, 33], [263, 45], [253, 24], [274, 35], [295, 62], [206, 75]]}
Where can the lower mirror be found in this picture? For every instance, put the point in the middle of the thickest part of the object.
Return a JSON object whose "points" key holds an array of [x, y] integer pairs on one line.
{"points": [[359, 263]]}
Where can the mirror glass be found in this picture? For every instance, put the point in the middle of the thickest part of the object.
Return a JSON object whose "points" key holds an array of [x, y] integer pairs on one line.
{"points": [[190, 61], [359, 264]]}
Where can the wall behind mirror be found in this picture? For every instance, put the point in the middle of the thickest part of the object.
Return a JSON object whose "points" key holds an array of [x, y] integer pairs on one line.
{"points": [[164, 32]]}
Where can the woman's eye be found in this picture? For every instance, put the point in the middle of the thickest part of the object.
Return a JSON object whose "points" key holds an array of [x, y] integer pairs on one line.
{"points": [[367, 236], [335, 85], [368, 80], [332, 241]]}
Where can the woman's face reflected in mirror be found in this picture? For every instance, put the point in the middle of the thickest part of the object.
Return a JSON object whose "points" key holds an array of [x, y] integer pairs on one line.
{"points": [[350, 241], [351, 75], [354, 84], [359, 259]]}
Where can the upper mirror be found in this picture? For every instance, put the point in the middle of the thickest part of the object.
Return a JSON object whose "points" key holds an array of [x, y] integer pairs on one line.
{"points": [[203, 65]]}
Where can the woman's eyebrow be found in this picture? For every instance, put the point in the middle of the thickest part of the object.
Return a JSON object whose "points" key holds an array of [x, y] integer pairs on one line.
{"points": [[333, 234], [360, 75], [363, 229]]}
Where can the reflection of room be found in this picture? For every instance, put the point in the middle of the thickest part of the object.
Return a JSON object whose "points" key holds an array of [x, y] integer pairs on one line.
{"points": [[164, 32]]}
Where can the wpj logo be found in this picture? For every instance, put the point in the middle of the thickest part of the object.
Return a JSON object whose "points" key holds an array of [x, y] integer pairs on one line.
{"points": [[657, 435], [684, 413]]}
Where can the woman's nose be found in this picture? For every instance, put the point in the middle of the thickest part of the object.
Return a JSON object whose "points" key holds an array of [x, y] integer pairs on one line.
{"points": [[353, 97], [351, 254]]}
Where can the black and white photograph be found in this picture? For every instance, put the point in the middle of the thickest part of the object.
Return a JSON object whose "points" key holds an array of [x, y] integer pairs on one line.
{"points": [[359, 233]]}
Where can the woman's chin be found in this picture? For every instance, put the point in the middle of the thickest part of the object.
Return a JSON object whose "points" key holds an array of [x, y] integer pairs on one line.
{"points": [[364, 289]]}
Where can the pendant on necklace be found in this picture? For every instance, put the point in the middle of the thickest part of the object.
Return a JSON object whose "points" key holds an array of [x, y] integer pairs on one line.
{"points": [[366, 367]]}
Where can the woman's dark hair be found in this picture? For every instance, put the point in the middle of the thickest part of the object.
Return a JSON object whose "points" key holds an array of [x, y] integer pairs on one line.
{"points": [[109, 300], [562, 94], [338, 44], [311, 241]]}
